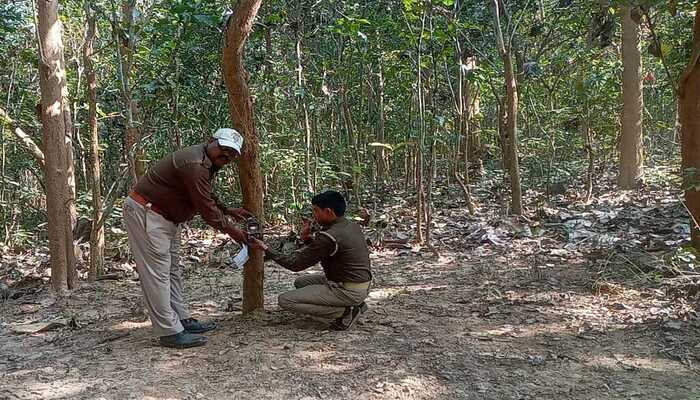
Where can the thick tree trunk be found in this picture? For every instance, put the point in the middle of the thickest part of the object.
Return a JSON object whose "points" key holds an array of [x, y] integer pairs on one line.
{"points": [[631, 147], [689, 112], [56, 129], [241, 111], [97, 236], [511, 105]]}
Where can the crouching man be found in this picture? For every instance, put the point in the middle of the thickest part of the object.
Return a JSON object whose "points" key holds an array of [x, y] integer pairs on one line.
{"points": [[338, 293]]}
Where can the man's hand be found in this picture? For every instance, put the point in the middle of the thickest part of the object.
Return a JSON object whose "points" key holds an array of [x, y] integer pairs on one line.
{"points": [[238, 235], [305, 233], [240, 214], [257, 244]]}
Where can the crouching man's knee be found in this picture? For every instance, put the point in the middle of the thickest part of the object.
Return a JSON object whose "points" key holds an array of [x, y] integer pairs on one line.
{"points": [[285, 302]]}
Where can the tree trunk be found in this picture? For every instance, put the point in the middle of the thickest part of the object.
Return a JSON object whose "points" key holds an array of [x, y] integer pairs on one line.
{"points": [[56, 129], [305, 112], [588, 144], [418, 176], [689, 111], [354, 145], [421, 134], [97, 235], [241, 111], [473, 108], [463, 137], [380, 153], [631, 147], [512, 115], [270, 74], [126, 44]]}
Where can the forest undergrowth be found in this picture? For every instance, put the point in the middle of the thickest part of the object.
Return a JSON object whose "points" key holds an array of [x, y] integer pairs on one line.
{"points": [[574, 300]]}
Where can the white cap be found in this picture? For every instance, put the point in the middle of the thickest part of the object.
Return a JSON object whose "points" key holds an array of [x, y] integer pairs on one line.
{"points": [[228, 137]]}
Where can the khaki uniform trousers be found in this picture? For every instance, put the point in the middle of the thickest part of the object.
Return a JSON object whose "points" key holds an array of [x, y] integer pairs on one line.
{"points": [[155, 244], [316, 296]]}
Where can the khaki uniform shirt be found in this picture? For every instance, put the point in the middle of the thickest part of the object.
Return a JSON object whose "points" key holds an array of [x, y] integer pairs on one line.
{"points": [[180, 186], [341, 249]]}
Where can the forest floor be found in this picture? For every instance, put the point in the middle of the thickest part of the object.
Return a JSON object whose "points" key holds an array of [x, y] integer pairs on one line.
{"points": [[578, 301]]}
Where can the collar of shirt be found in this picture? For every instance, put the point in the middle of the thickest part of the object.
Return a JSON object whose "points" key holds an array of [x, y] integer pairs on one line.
{"points": [[206, 162], [337, 220]]}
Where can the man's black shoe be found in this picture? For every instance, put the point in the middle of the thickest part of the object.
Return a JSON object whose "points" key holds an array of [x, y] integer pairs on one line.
{"points": [[349, 317], [191, 325], [183, 340]]}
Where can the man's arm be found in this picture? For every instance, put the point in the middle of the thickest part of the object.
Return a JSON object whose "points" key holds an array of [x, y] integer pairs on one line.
{"points": [[221, 206], [240, 214], [319, 248], [198, 188]]}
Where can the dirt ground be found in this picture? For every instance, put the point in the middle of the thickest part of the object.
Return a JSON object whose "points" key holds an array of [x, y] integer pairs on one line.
{"points": [[485, 319]]}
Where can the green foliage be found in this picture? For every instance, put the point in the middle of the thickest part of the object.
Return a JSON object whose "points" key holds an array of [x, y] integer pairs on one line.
{"points": [[564, 78]]}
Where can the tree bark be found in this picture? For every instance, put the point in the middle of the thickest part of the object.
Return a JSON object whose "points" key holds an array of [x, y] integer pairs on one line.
{"points": [[241, 110], [631, 173], [689, 112], [473, 108], [380, 152], [56, 129], [420, 142], [97, 236], [126, 44], [588, 145], [305, 111], [511, 105], [463, 110]]}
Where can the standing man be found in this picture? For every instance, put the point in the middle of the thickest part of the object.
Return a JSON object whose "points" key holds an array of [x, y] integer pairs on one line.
{"points": [[172, 192], [339, 292]]}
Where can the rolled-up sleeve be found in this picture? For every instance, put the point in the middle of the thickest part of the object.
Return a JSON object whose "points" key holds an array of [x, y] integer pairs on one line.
{"points": [[198, 187], [319, 248]]}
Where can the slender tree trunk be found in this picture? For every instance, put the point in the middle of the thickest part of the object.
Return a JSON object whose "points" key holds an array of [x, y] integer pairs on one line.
{"points": [[420, 143], [631, 145], [473, 108], [463, 142], [302, 99], [380, 152], [238, 28], [270, 74], [97, 236], [56, 128], [353, 141], [418, 176], [512, 116], [585, 126], [126, 44], [689, 111]]}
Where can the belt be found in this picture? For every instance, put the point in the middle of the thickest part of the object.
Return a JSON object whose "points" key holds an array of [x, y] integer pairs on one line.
{"points": [[144, 202], [355, 285]]}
